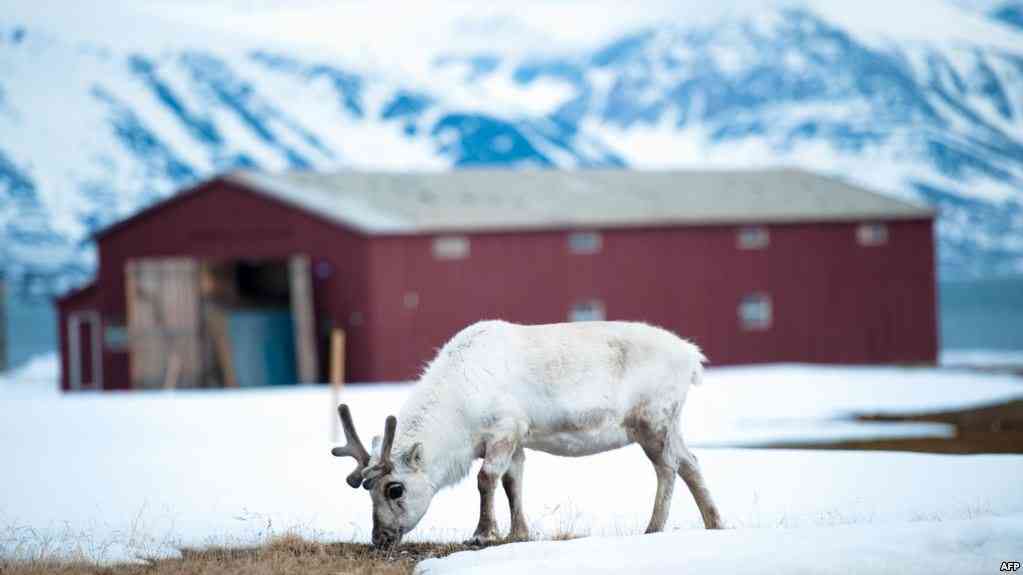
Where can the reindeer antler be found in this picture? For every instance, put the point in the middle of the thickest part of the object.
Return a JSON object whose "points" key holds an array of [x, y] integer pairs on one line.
{"points": [[385, 465], [353, 447]]}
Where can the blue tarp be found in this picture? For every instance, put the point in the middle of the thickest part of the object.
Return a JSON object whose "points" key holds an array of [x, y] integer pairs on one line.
{"points": [[262, 346]]}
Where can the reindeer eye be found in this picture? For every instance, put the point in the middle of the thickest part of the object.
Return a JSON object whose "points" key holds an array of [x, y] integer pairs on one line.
{"points": [[394, 490]]}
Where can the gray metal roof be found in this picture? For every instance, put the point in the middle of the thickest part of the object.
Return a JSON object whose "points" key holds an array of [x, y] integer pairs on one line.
{"points": [[478, 200]]}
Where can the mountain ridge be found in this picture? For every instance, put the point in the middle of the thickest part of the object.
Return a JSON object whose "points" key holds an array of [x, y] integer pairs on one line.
{"points": [[91, 132]]}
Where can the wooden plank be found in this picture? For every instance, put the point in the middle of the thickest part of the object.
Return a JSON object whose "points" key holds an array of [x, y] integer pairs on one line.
{"points": [[337, 378], [217, 323], [74, 347], [137, 323], [186, 318], [173, 372], [337, 358], [141, 323], [302, 319]]}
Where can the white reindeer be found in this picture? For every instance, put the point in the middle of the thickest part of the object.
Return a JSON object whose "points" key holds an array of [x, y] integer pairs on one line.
{"points": [[568, 389]]}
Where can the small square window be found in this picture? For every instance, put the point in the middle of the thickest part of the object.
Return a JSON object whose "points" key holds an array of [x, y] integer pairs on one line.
{"points": [[410, 300], [588, 310], [753, 238], [451, 247], [115, 337], [755, 312], [873, 234], [585, 242]]}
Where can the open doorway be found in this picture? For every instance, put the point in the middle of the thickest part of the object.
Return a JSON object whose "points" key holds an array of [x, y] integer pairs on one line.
{"points": [[246, 318], [224, 323]]}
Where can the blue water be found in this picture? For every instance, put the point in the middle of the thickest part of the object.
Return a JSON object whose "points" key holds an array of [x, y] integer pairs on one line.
{"points": [[31, 328], [985, 314], [982, 314]]}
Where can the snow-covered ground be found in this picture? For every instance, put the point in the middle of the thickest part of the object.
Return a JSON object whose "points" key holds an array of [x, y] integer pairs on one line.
{"points": [[118, 475], [765, 404], [970, 546]]}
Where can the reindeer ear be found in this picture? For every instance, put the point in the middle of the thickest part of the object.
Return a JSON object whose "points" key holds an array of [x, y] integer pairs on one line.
{"points": [[374, 446], [414, 457]]}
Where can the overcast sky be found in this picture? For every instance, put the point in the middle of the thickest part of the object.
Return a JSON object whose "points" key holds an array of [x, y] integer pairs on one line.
{"points": [[984, 5]]}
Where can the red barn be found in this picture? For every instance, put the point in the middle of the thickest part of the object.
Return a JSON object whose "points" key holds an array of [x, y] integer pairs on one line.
{"points": [[241, 279]]}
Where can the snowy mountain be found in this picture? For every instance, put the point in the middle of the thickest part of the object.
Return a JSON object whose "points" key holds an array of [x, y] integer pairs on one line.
{"points": [[1011, 13], [105, 108]]}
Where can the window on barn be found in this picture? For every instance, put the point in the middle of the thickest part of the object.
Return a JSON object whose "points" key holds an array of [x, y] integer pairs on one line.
{"points": [[585, 242], [753, 238], [451, 247], [872, 234], [410, 300], [755, 312], [587, 310]]}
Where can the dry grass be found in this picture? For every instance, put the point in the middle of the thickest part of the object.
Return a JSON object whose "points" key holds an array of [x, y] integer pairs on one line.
{"points": [[26, 551], [281, 554]]}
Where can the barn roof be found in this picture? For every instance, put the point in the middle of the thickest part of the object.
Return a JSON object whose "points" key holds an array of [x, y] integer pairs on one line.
{"points": [[468, 200]]}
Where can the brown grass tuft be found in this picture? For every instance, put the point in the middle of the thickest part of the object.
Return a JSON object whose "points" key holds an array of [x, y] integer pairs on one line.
{"points": [[280, 554]]}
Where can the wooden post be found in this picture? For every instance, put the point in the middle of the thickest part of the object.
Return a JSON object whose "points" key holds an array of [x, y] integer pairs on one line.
{"points": [[216, 321], [303, 321], [337, 378], [170, 380]]}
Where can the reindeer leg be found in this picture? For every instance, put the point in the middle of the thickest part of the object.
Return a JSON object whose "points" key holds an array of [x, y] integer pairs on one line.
{"points": [[689, 469], [653, 446], [512, 482], [497, 459], [652, 430], [662, 501]]}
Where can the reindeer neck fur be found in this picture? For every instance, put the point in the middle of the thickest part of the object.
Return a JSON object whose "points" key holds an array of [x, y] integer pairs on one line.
{"points": [[433, 418], [436, 415]]}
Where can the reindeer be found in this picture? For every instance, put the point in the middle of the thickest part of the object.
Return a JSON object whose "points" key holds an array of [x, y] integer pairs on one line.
{"points": [[496, 388]]}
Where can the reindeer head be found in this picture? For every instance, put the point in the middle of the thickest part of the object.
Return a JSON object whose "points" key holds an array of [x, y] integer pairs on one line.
{"points": [[400, 490]]}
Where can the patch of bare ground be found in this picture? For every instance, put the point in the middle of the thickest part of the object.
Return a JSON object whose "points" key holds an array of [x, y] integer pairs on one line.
{"points": [[284, 554], [995, 428]]}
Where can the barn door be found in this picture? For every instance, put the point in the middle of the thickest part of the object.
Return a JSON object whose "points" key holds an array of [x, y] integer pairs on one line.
{"points": [[301, 295], [164, 322]]}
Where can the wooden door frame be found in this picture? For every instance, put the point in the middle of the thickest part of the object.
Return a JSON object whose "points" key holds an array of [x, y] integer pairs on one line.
{"points": [[76, 320], [300, 292]]}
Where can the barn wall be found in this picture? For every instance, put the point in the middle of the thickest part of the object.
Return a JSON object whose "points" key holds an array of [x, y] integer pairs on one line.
{"points": [[206, 224], [833, 299]]}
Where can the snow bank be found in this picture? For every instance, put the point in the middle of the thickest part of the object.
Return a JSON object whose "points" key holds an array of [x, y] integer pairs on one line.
{"points": [[982, 358], [968, 546], [37, 377], [766, 404]]}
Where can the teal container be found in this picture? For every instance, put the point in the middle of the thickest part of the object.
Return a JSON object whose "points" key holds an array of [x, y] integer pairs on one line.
{"points": [[262, 346]]}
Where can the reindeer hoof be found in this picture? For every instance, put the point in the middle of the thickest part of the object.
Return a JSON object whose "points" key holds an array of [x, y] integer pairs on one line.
{"points": [[480, 539], [518, 536]]}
